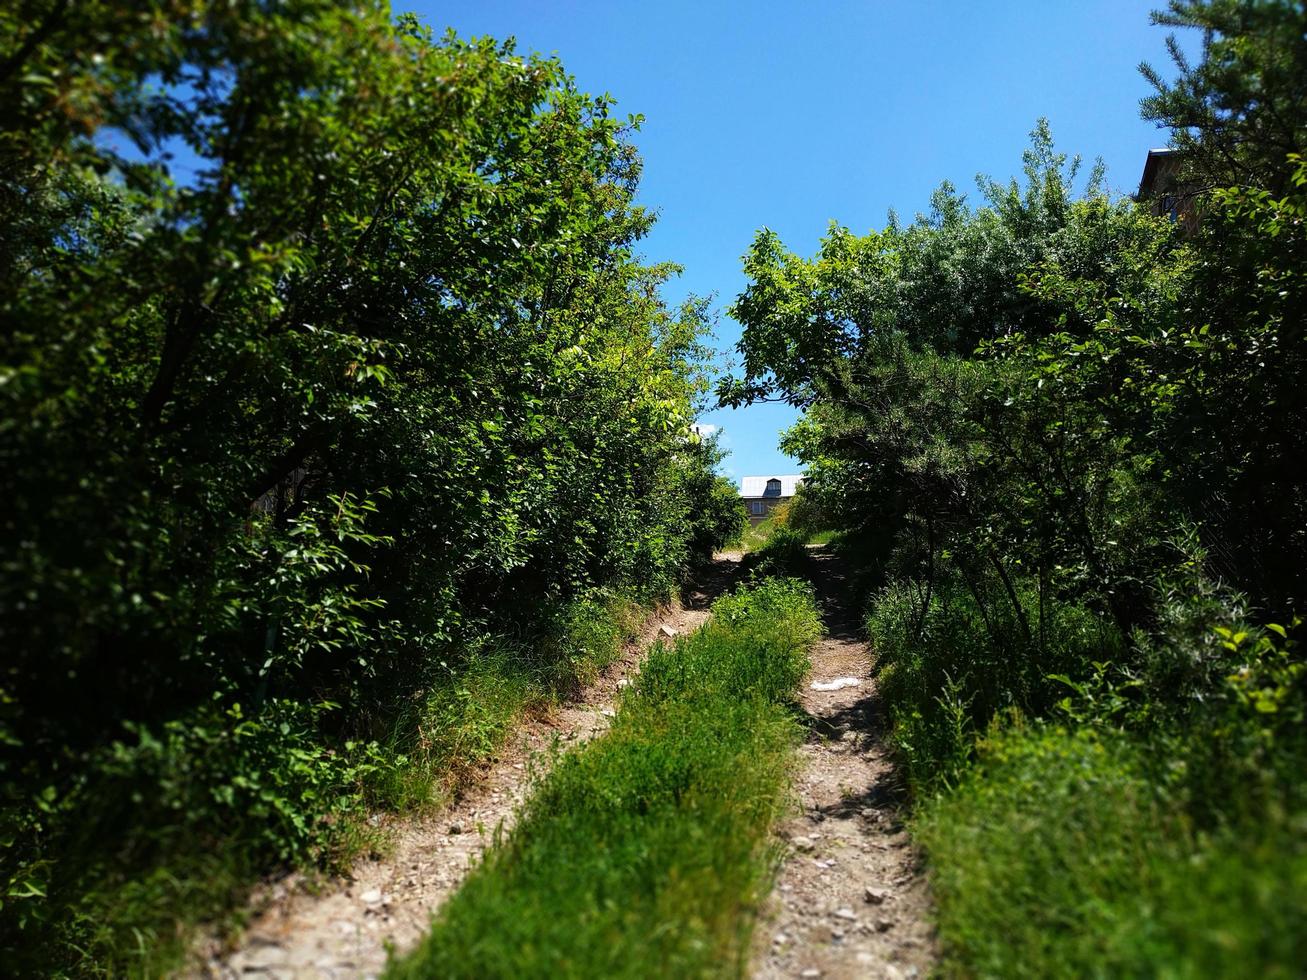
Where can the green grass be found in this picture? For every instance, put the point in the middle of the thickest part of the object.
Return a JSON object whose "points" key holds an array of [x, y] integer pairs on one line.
{"points": [[784, 554], [756, 535], [1124, 834], [179, 859], [461, 723], [780, 521], [646, 852], [1061, 855]]}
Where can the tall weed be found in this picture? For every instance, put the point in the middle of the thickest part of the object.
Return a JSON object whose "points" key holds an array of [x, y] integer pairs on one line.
{"points": [[947, 672]]}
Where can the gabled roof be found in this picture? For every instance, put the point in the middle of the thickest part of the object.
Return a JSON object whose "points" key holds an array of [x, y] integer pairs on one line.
{"points": [[1159, 167], [756, 486]]}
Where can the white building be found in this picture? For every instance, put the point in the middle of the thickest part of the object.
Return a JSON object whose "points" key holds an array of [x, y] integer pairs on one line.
{"points": [[762, 493]]}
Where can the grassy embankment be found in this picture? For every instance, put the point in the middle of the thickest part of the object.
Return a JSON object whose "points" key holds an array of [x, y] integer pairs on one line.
{"points": [[757, 535], [458, 724], [792, 524], [1061, 854], [645, 853], [1088, 828], [136, 915]]}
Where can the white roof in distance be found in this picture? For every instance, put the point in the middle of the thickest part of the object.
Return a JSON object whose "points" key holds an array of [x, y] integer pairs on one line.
{"points": [[756, 486]]}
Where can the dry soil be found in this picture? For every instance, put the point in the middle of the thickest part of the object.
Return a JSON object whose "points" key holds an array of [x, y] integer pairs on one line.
{"points": [[851, 899]]}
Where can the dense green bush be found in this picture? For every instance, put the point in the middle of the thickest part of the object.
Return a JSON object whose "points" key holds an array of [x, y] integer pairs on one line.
{"points": [[719, 518], [782, 552], [805, 515], [333, 397], [949, 669], [201, 806], [1063, 436], [647, 851]]}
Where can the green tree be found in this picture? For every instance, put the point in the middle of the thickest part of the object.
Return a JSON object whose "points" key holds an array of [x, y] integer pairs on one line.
{"points": [[326, 350], [1228, 401], [1239, 111]]}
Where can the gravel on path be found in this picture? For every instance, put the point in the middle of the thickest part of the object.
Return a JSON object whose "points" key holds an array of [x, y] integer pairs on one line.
{"points": [[851, 899]]}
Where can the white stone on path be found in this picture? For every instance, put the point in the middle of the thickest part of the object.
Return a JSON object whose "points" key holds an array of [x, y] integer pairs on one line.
{"points": [[838, 684]]}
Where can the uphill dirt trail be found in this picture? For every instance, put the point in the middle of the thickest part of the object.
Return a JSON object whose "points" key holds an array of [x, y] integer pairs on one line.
{"points": [[850, 899], [345, 929]]}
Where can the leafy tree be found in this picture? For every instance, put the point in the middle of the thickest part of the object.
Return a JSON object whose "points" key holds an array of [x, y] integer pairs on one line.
{"points": [[326, 351], [1012, 459], [722, 517], [1058, 405], [1237, 113], [1228, 399]]}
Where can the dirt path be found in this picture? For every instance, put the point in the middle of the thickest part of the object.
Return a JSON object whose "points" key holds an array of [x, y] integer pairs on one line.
{"points": [[850, 900], [345, 930]]}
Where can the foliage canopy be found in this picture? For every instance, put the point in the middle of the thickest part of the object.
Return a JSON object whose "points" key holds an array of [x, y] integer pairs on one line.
{"points": [[326, 352], [1064, 438]]}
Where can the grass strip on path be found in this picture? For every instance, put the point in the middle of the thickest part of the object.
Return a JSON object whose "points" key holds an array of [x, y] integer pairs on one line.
{"points": [[646, 852]]}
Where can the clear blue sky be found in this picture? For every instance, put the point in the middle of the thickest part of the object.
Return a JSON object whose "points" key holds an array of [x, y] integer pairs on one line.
{"points": [[792, 114]]}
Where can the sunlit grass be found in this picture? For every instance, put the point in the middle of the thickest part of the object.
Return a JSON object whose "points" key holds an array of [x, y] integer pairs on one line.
{"points": [[647, 852], [756, 535], [1060, 856]]}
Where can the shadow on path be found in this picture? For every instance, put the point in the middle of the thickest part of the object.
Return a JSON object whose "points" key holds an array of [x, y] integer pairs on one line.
{"points": [[850, 899], [712, 581]]}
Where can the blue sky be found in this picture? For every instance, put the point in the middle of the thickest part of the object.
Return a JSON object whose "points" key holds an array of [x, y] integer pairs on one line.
{"points": [[790, 115]]}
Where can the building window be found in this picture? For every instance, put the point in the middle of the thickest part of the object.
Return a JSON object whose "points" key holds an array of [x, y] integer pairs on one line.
{"points": [[755, 508], [773, 488]]}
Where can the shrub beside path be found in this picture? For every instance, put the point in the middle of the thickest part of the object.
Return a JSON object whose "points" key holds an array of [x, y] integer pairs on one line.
{"points": [[851, 899], [345, 929]]}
